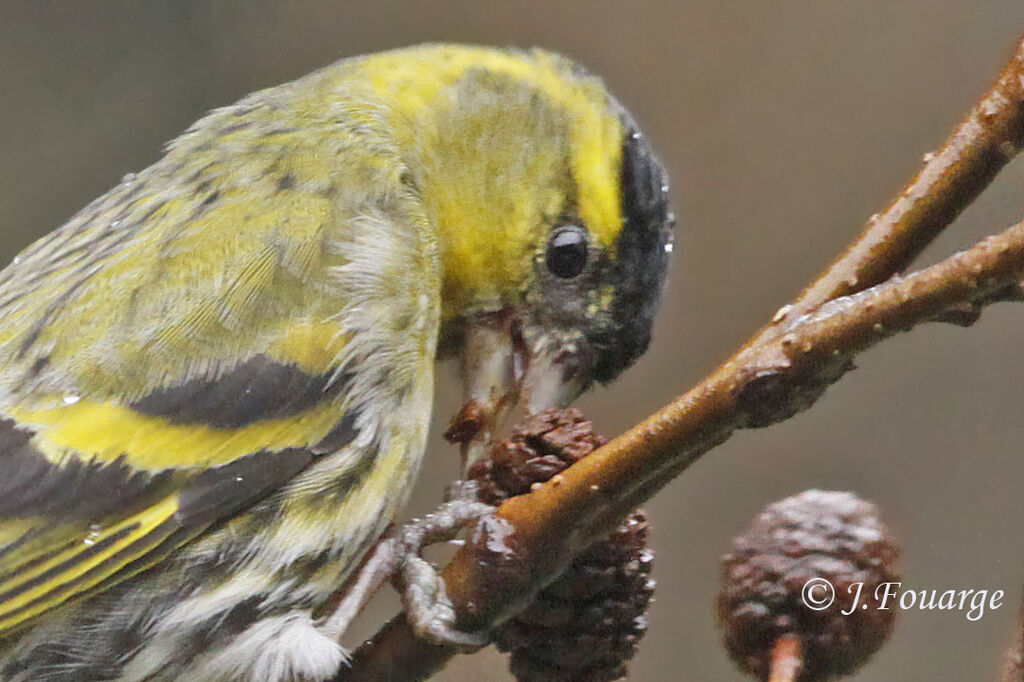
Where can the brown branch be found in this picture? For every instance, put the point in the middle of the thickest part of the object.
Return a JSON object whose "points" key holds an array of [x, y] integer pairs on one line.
{"points": [[986, 140], [787, 659], [782, 370]]}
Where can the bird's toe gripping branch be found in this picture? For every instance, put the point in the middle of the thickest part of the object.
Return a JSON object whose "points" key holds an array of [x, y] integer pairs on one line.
{"points": [[398, 557], [427, 607]]}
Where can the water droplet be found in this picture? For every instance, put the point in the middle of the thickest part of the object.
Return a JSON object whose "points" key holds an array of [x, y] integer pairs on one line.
{"points": [[928, 157], [669, 247], [93, 536], [990, 108], [71, 399], [781, 313], [17, 259]]}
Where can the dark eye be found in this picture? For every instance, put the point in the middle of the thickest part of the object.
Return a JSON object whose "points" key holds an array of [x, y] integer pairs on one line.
{"points": [[567, 251]]}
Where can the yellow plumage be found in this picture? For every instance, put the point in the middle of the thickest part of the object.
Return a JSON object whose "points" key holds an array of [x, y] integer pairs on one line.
{"points": [[216, 379]]}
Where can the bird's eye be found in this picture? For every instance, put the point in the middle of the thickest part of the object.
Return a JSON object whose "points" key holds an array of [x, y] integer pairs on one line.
{"points": [[567, 251]]}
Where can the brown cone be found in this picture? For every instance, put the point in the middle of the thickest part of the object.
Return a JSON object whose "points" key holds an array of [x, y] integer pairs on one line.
{"points": [[816, 535], [585, 626]]}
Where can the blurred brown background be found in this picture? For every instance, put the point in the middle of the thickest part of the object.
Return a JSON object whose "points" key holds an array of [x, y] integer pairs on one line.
{"points": [[783, 125]]}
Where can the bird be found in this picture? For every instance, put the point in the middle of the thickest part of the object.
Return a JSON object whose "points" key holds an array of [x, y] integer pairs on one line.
{"points": [[216, 379]]}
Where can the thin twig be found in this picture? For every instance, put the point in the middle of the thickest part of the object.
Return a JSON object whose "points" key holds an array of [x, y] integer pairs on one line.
{"points": [[782, 370], [988, 138], [787, 659]]}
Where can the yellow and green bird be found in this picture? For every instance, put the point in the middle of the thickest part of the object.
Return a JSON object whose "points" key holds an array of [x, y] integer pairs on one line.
{"points": [[216, 379]]}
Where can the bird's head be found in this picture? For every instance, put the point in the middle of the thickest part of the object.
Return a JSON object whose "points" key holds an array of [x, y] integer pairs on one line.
{"points": [[553, 221]]}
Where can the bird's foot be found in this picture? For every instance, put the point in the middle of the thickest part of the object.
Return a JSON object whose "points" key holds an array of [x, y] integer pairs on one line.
{"points": [[427, 608], [399, 556]]}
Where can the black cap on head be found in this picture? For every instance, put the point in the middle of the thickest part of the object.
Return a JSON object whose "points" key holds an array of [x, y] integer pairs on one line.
{"points": [[642, 254]]}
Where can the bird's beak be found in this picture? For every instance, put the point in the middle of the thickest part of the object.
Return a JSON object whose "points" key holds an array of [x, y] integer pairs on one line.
{"points": [[504, 364]]}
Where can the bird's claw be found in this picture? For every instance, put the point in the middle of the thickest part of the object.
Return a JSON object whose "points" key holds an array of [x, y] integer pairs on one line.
{"points": [[428, 610]]}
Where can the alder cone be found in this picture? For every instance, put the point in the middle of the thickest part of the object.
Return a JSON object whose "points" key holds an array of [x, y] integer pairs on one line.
{"points": [[816, 535], [585, 626]]}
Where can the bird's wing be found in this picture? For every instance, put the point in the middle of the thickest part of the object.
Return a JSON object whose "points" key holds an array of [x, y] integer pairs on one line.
{"points": [[178, 352]]}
